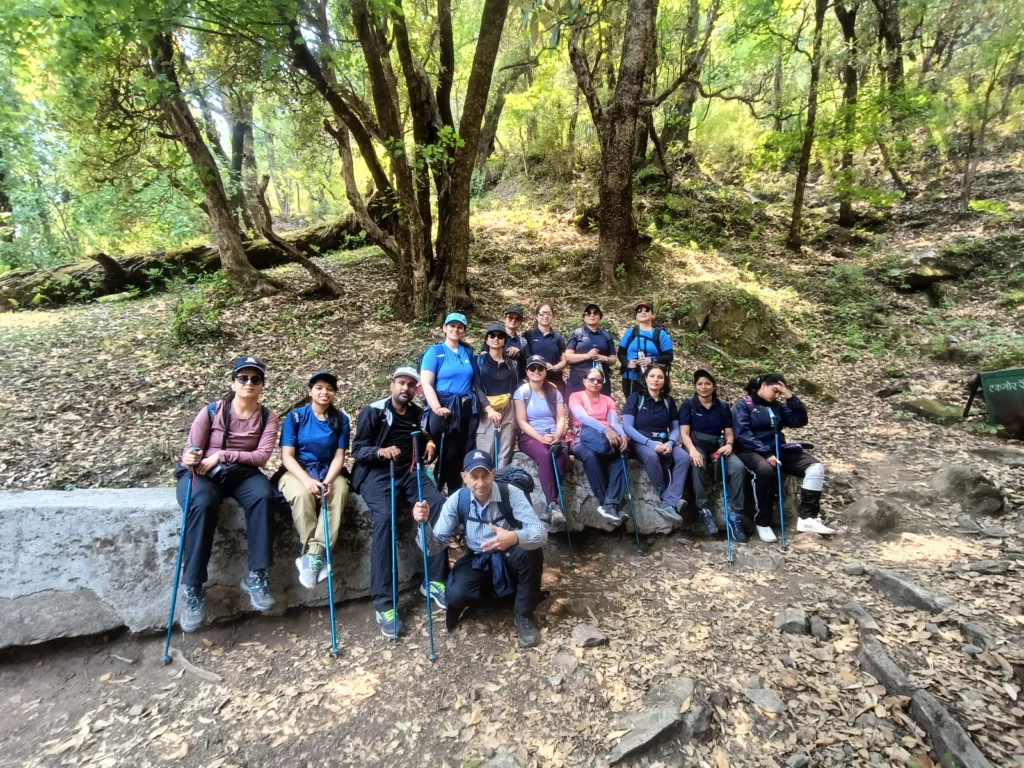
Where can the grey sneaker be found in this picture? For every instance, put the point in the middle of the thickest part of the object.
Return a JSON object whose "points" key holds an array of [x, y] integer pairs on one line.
{"points": [[255, 585], [389, 623], [548, 512], [193, 614], [437, 594], [309, 566], [668, 511], [527, 631], [610, 512], [710, 529]]}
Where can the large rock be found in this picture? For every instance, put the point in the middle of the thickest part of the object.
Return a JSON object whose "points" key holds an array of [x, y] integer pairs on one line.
{"points": [[89, 561], [949, 738], [876, 662], [664, 716], [932, 409], [874, 515], [902, 591], [921, 268], [792, 621], [974, 491]]}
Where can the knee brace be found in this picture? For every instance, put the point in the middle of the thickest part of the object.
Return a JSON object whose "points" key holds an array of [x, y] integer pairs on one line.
{"points": [[814, 477]]}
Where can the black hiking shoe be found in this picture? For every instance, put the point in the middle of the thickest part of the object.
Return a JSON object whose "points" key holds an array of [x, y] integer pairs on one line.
{"points": [[710, 529], [736, 528], [528, 633]]}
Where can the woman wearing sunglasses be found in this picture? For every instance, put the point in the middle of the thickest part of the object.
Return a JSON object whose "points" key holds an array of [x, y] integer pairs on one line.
{"points": [[545, 341], [314, 440], [588, 348], [541, 416], [495, 381], [230, 440], [642, 346], [600, 441], [651, 421]]}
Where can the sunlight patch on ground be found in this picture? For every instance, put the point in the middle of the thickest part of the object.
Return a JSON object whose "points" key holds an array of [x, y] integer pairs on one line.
{"points": [[30, 319], [934, 549]]}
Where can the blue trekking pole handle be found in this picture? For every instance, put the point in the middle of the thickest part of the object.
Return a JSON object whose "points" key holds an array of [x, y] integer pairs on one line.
{"points": [[561, 503], [166, 658], [330, 575], [629, 495], [725, 500], [394, 553], [423, 538], [778, 474]]}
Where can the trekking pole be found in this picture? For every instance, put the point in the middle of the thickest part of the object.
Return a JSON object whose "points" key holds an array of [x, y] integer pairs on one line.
{"points": [[565, 514], [629, 495], [394, 553], [495, 446], [778, 474], [166, 658], [437, 467], [725, 500], [423, 537], [330, 575]]}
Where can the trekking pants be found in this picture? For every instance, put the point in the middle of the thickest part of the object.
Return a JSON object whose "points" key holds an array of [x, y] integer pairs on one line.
{"points": [[459, 440], [795, 463], [703, 476], [507, 430], [468, 587], [604, 473], [541, 453], [307, 511], [667, 472]]}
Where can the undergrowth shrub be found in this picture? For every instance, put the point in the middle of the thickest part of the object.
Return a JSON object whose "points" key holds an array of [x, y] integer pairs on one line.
{"points": [[197, 308]]}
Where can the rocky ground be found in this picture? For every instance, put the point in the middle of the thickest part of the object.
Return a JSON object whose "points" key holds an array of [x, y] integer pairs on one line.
{"points": [[695, 667]]}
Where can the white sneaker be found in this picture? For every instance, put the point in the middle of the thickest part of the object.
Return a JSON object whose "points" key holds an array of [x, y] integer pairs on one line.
{"points": [[610, 512], [813, 525], [765, 533]]}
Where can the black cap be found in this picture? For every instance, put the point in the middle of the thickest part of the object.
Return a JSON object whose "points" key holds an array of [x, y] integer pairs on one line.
{"points": [[477, 459], [249, 362], [327, 376], [648, 304], [514, 310], [536, 360], [496, 328], [593, 306]]}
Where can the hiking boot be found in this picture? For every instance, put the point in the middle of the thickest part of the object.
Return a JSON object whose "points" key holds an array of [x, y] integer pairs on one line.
{"points": [[710, 529], [668, 511], [389, 623], [557, 521], [765, 533], [610, 512], [527, 631], [545, 514], [736, 528], [309, 566], [256, 585], [193, 614], [813, 525], [437, 594]]}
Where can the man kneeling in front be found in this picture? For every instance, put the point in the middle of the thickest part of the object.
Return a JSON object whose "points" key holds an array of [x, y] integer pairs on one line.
{"points": [[504, 538]]}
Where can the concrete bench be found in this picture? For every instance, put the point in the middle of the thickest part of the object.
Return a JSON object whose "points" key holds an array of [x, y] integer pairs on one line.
{"points": [[89, 561]]}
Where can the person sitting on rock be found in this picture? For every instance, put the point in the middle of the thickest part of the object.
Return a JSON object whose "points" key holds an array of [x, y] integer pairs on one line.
{"points": [[706, 423], [314, 439], [384, 434], [589, 346], [548, 343], [541, 416], [757, 417], [495, 381], [446, 375], [504, 538], [651, 421], [641, 346], [230, 440], [598, 444]]}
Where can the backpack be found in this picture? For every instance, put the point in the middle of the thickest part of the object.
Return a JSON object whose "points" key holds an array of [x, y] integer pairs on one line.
{"points": [[504, 477], [656, 332], [512, 364], [467, 345], [211, 411]]}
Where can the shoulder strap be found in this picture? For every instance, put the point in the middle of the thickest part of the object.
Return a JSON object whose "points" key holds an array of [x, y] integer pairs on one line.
{"points": [[462, 505], [527, 392], [211, 411], [505, 506], [264, 415]]}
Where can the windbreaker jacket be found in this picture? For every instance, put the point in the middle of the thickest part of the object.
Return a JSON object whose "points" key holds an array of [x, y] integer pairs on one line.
{"points": [[752, 422]]}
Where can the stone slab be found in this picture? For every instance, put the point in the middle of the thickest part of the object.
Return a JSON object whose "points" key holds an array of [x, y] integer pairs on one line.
{"points": [[876, 662], [950, 740], [901, 590]]}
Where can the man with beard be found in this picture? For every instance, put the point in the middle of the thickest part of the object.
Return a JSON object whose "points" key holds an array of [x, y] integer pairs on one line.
{"points": [[384, 434]]}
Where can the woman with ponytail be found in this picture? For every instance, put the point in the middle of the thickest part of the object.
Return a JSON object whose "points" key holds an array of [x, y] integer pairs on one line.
{"points": [[542, 418]]}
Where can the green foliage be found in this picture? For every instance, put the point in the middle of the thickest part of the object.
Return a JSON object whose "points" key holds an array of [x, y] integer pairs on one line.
{"points": [[197, 308]]}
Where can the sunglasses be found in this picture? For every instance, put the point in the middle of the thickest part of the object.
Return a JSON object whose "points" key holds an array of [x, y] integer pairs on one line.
{"points": [[595, 380], [544, 313], [496, 335], [592, 312], [536, 369], [254, 380], [643, 309]]}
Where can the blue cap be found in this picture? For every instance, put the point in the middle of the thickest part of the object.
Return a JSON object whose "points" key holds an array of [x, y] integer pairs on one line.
{"points": [[327, 376], [249, 362], [476, 460], [456, 317]]}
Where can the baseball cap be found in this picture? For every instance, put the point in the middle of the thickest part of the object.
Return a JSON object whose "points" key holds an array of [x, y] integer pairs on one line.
{"points": [[248, 362], [477, 459], [497, 328], [514, 310], [327, 376], [644, 305], [406, 370], [536, 360], [593, 306], [456, 317]]}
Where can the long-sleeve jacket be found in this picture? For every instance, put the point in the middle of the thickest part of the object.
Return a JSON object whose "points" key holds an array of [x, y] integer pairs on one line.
{"points": [[533, 534], [493, 378], [753, 425], [372, 433]]}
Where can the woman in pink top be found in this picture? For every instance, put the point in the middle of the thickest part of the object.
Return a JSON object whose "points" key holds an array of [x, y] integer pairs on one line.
{"points": [[229, 441], [600, 441]]}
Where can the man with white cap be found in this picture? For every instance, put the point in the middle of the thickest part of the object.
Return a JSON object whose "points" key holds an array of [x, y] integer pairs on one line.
{"points": [[384, 434]]}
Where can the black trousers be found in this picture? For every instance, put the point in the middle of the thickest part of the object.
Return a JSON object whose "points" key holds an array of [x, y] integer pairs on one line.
{"points": [[459, 440], [250, 488], [468, 587], [375, 490], [765, 482]]}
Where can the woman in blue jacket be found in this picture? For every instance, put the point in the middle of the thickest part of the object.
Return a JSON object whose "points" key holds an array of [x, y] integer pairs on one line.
{"points": [[765, 410]]}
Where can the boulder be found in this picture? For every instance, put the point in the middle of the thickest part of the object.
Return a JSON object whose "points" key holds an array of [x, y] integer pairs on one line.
{"points": [[90, 561], [974, 491], [587, 636], [948, 736], [921, 268], [874, 515], [792, 621], [902, 591], [664, 716], [932, 409]]}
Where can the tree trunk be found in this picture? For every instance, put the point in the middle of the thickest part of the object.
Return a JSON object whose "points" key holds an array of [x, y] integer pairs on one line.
{"points": [[677, 126], [618, 235], [976, 145], [892, 38], [777, 96], [6, 209], [848, 21], [280, 187], [181, 123], [505, 86], [794, 241]]}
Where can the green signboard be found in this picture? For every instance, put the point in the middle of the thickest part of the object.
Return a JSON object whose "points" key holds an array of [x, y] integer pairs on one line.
{"points": [[1004, 396]]}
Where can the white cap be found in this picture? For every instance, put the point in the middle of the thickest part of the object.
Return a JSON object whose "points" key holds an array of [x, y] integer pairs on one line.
{"points": [[407, 370]]}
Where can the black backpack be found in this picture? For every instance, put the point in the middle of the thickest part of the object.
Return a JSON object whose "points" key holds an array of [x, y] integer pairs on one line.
{"points": [[510, 475], [656, 332], [211, 411]]}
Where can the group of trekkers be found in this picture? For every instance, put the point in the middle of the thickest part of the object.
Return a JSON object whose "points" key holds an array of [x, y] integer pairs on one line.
{"points": [[461, 413]]}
